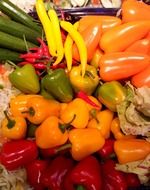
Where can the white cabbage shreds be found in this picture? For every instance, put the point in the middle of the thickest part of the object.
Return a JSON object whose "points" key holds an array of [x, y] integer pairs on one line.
{"points": [[6, 90]]}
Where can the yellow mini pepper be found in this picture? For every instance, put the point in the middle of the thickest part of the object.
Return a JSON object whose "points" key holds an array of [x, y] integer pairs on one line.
{"points": [[76, 112], [51, 133], [14, 127], [85, 142], [102, 121]]}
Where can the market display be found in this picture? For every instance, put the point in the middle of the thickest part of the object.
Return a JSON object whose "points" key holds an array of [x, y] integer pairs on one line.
{"points": [[74, 98]]}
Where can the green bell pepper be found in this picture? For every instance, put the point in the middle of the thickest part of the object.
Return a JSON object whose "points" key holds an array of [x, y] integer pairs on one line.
{"points": [[111, 94], [86, 83], [57, 84], [25, 79]]}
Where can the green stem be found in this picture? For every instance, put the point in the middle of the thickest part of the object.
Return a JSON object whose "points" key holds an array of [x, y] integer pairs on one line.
{"points": [[11, 123], [80, 187], [12, 64], [64, 147]]}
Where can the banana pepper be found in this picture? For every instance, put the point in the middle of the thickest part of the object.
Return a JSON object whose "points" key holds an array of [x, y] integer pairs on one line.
{"points": [[131, 150], [85, 142], [111, 94], [88, 83], [14, 127], [51, 133]]}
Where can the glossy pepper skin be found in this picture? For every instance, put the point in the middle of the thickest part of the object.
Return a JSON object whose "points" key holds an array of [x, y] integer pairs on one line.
{"points": [[86, 173], [53, 177], [115, 178], [85, 142], [25, 79], [58, 85], [15, 154], [131, 150], [87, 83], [34, 171], [111, 94]]}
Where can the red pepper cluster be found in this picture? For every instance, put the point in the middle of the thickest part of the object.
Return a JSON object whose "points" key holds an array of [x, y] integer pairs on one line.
{"points": [[48, 169]]}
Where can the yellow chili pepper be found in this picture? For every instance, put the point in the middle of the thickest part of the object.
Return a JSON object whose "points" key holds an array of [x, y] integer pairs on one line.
{"points": [[39, 108], [47, 25], [85, 142], [77, 112], [131, 150], [18, 104], [14, 127], [102, 121], [68, 48], [115, 129], [57, 35], [51, 133], [76, 36]]}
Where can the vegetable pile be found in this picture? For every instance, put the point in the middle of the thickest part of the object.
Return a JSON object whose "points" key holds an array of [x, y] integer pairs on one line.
{"points": [[82, 118]]}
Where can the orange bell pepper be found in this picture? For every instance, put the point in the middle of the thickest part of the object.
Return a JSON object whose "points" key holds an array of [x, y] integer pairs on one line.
{"points": [[39, 108], [120, 37], [91, 36], [142, 78], [14, 127], [121, 65], [51, 133], [131, 150], [77, 113], [18, 104], [135, 10], [115, 129], [85, 142], [96, 57], [102, 121], [106, 21]]}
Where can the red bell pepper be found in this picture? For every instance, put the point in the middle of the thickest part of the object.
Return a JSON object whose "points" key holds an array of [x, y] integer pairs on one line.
{"points": [[132, 180], [107, 149], [54, 175], [85, 175], [116, 178], [15, 154], [34, 171]]}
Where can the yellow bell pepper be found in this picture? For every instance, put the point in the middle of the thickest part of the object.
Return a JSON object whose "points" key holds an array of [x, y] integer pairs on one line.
{"points": [[131, 150], [14, 127], [102, 121], [115, 129], [51, 133], [39, 108], [85, 142], [77, 113]]}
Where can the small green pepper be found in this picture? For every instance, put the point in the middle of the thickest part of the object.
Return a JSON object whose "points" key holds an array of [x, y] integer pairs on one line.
{"points": [[25, 79], [86, 83], [58, 85], [111, 94]]}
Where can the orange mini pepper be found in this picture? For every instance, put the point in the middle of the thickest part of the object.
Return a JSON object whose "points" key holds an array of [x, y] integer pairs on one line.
{"points": [[51, 133], [115, 129], [85, 142], [14, 127], [131, 150], [102, 121], [77, 113], [120, 37], [39, 108]]}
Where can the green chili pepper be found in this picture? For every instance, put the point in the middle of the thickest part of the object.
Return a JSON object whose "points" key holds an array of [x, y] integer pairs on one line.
{"points": [[88, 83], [25, 79], [111, 94], [58, 85]]}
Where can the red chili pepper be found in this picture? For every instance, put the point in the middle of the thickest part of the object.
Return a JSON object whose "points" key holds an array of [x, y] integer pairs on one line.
{"points": [[40, 66], [107, 149], [132, 180], [23, 63], [34, 171], [44, 48], [54, 175], [38, 54], [84, 97], [30, 59], [86, 173], [116, 178], [61, 65], [15, 154]]}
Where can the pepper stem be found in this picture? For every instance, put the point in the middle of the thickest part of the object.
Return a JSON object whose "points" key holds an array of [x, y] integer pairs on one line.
{"points": [[64, 147], [66, 126], [30, 111], [12, 64], [93, 114], [11, 123], [80, 187]]}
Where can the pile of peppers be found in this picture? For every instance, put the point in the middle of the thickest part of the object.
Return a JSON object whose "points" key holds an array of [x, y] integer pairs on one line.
{"points": [[63, 127]]}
